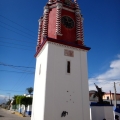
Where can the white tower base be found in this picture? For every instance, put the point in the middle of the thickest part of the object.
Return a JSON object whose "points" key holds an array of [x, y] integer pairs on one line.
{"points": [[55, 90]]}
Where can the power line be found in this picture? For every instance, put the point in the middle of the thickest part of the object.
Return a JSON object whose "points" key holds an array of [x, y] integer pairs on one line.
{"points": [[11, 90], [15, 32], [20, 80], [17, 29], [20, 69], [4, 64], [17, 40], [17, 24], [102, 79], [16, 47], [15, 44], [30, 72], [17, 67]]}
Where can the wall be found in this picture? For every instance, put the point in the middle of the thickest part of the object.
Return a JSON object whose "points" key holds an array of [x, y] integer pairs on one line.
{"points": [[101, 112], [39, 85], [66, 92], [112, 96], [116, 113], [29, 109]]}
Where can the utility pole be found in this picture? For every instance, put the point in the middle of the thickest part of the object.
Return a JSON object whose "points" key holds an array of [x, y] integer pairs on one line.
{"points": [[9, 95], [115, 103], [110, 98]]}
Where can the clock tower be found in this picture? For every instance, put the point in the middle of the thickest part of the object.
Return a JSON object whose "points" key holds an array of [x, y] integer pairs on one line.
{"points": [[61, 80]]}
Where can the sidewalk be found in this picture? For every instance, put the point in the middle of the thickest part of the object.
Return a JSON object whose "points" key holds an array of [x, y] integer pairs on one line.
{"points": [[7, 115], [17, 113]]}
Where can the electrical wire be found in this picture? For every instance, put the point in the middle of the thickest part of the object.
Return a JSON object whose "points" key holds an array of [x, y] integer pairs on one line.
{"points": [[17, 67], [4, 64], [16, 47], [16, 32], [11, 90], [15, 44], [16, 23], [102, 79], [20, 79], [17, 29], [26, 73], [18, 40], [29, 72]]}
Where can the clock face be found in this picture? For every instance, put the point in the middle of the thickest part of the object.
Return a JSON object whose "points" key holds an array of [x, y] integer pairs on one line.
{"points": [[67, 22], [68, 2]]}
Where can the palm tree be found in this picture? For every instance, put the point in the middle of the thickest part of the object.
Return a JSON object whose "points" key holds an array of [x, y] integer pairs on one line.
{"points": [[29, 90]]}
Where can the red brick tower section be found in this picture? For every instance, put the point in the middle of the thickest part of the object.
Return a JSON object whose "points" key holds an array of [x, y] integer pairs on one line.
{"points": [[58, 18], [62, 23], [79, 24], [39, 33]]}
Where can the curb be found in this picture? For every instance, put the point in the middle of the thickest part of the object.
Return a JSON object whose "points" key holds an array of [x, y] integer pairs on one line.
{"points": [[17, 113], [14, 112]]}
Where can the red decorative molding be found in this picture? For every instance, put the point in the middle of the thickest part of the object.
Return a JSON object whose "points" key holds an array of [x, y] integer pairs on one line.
{"points": [[63, 42]]}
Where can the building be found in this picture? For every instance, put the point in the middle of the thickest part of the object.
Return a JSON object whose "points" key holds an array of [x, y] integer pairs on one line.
{"points": [[61, 79], [28, 95], [91, 95], [107, 96]]}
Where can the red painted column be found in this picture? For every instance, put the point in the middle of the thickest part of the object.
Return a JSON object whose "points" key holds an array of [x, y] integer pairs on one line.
{"points": [[79, 24], [58, 19], [81, 29], [45, 21], [39, 32]]}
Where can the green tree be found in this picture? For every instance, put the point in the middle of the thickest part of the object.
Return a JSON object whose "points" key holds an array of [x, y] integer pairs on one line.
{"points": [[18, 101], [29, 90], [26, 101], [14, 101]]}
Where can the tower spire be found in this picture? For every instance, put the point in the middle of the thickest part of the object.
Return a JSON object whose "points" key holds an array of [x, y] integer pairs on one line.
{"points": [[45, 22], [50, 2], [75, 1], [76, 4], [39, 32]]}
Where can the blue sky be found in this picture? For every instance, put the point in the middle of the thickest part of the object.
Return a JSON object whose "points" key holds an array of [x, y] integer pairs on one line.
{"points": [[18, 38]]}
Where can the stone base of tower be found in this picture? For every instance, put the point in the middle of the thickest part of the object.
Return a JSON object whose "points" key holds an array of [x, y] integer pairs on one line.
{"points": [[58, 94]]}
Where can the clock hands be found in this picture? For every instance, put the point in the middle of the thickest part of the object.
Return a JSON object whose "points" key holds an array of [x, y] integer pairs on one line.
{"points": [[67, 22]]}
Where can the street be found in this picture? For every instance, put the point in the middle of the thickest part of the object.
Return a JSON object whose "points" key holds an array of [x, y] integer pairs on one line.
{"points": [[6, 115]]}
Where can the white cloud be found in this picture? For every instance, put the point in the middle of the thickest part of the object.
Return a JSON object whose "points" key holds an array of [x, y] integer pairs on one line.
{"points": [[106, 80], [118, 55], [3, 99]]}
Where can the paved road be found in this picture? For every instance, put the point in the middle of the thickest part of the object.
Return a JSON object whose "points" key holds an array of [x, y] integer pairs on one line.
{"points": [[6, 115]]}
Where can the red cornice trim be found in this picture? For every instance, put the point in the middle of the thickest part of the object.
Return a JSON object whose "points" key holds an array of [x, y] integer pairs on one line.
{"points": [[61, 42], [40, 47]]}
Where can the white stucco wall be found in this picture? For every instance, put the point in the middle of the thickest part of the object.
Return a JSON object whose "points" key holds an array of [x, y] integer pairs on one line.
{"points": [[58, 90], [116, 113], [101, 112], [39, 85], [29, 108]]}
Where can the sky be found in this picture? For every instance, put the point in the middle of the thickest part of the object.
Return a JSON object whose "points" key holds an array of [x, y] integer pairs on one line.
{"points": [[18, 39]]}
